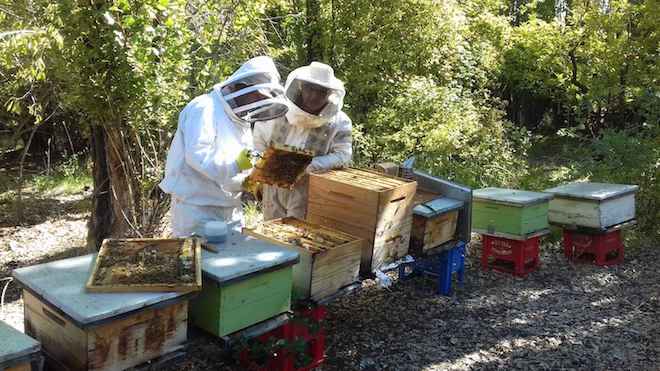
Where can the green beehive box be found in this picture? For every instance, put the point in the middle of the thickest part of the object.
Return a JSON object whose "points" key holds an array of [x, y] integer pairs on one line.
{"points": [[509, 212], [246, 282]]}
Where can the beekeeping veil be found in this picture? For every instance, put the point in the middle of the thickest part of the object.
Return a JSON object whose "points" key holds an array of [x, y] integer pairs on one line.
{"points": [[253, 92], [315, 95]]}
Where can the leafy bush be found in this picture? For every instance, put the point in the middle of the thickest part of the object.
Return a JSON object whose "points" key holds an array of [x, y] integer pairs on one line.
{"points": [[452, 135]]}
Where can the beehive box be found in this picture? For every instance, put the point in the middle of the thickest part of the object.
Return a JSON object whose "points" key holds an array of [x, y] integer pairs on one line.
{"points": [[509, 212], [434, 221], [18, 352], [592, 205], [368, 205], [79, 330], [246, 281], [329, 259], [150, 264]]}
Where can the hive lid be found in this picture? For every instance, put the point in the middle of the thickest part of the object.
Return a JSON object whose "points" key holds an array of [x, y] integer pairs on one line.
{"points": [[437, 206], [62, 284], [512, 197], [364, 178], [242, 256], [592, 191], [15, 344]]}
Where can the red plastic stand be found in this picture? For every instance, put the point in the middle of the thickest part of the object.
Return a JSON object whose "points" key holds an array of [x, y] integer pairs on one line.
{"points": [[510, 256], [600, 248]]}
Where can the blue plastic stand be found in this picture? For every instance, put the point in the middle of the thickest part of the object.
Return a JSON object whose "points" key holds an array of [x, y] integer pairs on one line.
{"points": [[441, 266]]}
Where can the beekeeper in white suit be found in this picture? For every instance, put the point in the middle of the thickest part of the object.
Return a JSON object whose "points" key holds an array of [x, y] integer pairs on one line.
{"points": [[209, 156], [314, 122]]}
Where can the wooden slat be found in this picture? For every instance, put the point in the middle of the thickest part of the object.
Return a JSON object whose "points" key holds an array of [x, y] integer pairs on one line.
{"points": [[22, 367], [139, 338], [335, 269], [422, 196], [59, 337]]}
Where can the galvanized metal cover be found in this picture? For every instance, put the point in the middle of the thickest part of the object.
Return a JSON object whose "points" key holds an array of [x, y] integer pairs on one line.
{"points": [[437, 206], [62, 284], [242, 255], [15, 344], [592, 191], [512, 197]]}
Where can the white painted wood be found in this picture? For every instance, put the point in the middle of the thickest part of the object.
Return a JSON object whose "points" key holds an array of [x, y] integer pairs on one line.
{"points": [[592, 191], [591, 213], [585, 213], [616, 211]]}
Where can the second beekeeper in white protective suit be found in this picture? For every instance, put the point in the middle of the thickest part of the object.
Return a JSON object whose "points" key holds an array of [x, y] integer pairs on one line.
{"points": [[314, 122], [209, 156]]}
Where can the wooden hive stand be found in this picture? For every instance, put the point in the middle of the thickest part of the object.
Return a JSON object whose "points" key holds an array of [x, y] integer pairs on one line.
{"points": [[366, 204], [329, 259]]}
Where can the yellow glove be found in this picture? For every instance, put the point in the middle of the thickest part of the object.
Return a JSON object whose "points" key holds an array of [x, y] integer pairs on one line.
{"points": [[243, 160]]}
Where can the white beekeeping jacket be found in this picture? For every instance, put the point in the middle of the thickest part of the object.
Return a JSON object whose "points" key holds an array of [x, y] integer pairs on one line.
{"points": [[201, 167]]}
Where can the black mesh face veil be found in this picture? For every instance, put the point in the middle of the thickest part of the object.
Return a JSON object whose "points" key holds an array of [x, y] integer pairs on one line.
{"points": [[253, 93]]}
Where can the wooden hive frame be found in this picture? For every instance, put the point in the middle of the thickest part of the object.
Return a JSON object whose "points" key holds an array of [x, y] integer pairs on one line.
{"points": [[329, 259], [135, 244], [268, 169]]}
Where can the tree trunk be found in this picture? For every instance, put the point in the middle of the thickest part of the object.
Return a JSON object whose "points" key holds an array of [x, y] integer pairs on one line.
{"points": [[314, 31], [123, 184], [101, 218], [113, 206]]}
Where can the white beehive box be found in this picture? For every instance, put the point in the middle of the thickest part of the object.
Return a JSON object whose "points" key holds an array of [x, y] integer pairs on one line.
{"points": [[592, 205]]}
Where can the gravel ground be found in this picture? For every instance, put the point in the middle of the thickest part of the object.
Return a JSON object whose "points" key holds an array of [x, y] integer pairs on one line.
{"points": [[563, 316]]}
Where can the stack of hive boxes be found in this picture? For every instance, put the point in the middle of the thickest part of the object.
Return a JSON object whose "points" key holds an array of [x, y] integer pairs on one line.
{"points": [[511, 223], [592, 216], [369, 205]]}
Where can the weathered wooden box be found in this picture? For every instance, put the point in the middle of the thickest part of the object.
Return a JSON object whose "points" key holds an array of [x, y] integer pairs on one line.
{"points": [[246, 282], [434, 221], [93, 331], [366, 204], [18, 352], [592, 205], [509, 212], [329, 259], [147, 264]]}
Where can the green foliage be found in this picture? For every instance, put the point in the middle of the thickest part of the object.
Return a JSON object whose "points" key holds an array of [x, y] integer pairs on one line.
{"points": [[69, 177], [616, 156], [451, 82], [452, 135], [595, 70]]}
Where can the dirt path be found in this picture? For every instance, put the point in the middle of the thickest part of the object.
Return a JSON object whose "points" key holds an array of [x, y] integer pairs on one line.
{"points": [[562, 317]]}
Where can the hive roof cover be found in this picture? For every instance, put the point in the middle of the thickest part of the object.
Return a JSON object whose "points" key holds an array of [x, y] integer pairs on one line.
{"points": [[15, 344], [242, 255], [510, 196], [437, 206], [62, 284], [592, 191]]}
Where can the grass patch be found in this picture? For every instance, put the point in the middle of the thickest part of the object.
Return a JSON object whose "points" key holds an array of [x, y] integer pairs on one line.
{"points": [[62, 184]]}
